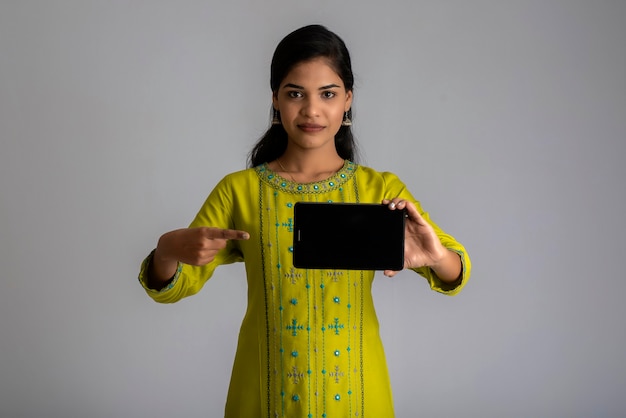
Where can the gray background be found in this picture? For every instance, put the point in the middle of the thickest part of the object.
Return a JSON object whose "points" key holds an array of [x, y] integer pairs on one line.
{"points": [[506, 119]]}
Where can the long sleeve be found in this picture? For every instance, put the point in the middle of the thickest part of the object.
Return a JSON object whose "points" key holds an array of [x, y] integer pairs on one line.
{"points": [[217, 211]]}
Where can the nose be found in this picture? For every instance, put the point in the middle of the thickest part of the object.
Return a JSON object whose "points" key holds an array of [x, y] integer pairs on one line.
{"points": [[310, 107]]}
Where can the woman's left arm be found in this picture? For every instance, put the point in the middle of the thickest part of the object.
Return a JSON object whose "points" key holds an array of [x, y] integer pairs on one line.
{"points": [[422, 246]]}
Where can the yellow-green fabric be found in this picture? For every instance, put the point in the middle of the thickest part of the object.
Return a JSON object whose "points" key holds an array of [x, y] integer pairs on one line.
{"points": [[309, 344]]}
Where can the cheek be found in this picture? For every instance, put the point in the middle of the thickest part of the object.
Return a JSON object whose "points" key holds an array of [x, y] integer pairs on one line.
{"points": [[338, 115], [287, 112]]}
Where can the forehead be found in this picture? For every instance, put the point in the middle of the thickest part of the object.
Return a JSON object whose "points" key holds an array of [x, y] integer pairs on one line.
{"points": [[313, 73]]}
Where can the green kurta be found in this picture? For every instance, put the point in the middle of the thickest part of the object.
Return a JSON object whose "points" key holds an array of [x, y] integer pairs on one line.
{"points": [[309, 344]]}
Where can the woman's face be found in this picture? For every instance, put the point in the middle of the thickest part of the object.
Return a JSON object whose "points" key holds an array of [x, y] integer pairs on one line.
{"points": [[312, 100]]}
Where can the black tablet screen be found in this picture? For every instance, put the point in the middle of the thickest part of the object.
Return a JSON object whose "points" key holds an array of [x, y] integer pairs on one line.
{"points": [[348, 236]]}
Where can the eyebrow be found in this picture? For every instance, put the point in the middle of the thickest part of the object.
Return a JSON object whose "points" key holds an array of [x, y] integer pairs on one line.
{"points": [[295, 86]]}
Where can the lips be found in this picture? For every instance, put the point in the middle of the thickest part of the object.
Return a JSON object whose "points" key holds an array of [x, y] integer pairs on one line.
{"points": [[310, 127]]}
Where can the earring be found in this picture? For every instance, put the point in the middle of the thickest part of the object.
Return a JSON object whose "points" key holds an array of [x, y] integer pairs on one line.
{"points": [[276, 117], [346, 120]]}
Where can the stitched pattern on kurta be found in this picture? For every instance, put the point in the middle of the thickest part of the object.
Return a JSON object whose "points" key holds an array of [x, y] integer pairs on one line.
{"points": [[335, 182], [315, 318]]}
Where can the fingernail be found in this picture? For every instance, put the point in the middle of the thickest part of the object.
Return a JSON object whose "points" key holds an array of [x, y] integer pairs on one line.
{"points": [[392, 205]]}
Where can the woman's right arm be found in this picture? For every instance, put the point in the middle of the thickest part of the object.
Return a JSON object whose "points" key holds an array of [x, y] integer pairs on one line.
{"points": [[193, 246]]}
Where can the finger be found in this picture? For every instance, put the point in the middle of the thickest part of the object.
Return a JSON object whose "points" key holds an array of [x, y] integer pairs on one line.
{"points": [[219, 233], [407, 205], [390, 273], [393, 204], [413, 213], [410, 209]]}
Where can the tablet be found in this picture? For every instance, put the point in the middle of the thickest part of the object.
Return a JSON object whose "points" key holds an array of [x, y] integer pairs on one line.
{"points": [[348, 236]]}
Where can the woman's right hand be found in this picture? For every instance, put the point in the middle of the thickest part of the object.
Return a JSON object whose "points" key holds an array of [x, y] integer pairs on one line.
{"points": [[194, 246]]}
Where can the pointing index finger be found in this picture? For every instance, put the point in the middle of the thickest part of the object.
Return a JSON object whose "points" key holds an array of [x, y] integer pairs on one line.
{"points": [[219, 233]]}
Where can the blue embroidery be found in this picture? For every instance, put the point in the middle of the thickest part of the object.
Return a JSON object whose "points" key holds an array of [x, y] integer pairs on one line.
{"points": [[294, 327], [288, 224], [336, 326], [280, 183]]}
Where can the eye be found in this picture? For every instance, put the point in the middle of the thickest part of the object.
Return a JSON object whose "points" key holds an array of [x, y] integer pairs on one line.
{"points": [[328, 94], [294, 94]]}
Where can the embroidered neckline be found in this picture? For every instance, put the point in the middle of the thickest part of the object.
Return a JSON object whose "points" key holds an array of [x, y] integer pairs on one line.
{"points": [[333, 182]]}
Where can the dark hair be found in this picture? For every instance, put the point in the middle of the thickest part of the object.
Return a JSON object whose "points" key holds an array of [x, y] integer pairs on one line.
{"points": [[301, 45]]}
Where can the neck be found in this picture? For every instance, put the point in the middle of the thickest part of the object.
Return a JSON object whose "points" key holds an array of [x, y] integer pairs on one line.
{"points": [[307, 168]]}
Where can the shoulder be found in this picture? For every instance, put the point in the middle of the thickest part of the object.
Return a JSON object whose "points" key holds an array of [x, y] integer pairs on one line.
{"points": [[232, 185], [370, 174], [238, 178], [232, 190], [384, 184]]}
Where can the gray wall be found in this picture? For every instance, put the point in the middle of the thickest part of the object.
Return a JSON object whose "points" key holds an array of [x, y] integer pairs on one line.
{"points": [[507, 119]]}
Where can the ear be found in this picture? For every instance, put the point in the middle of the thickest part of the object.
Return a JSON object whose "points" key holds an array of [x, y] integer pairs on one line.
{"points": [[348, 100], [275, 100]]}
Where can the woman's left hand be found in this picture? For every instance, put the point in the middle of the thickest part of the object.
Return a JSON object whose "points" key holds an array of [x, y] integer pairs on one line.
{"points": [[421, 244]]}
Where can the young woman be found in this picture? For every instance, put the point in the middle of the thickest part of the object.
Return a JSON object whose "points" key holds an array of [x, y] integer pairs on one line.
{"points": [[309, 344]]}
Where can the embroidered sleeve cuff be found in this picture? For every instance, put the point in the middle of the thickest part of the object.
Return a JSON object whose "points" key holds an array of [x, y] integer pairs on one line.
{"points": [[143, 276], [439, 285]]}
